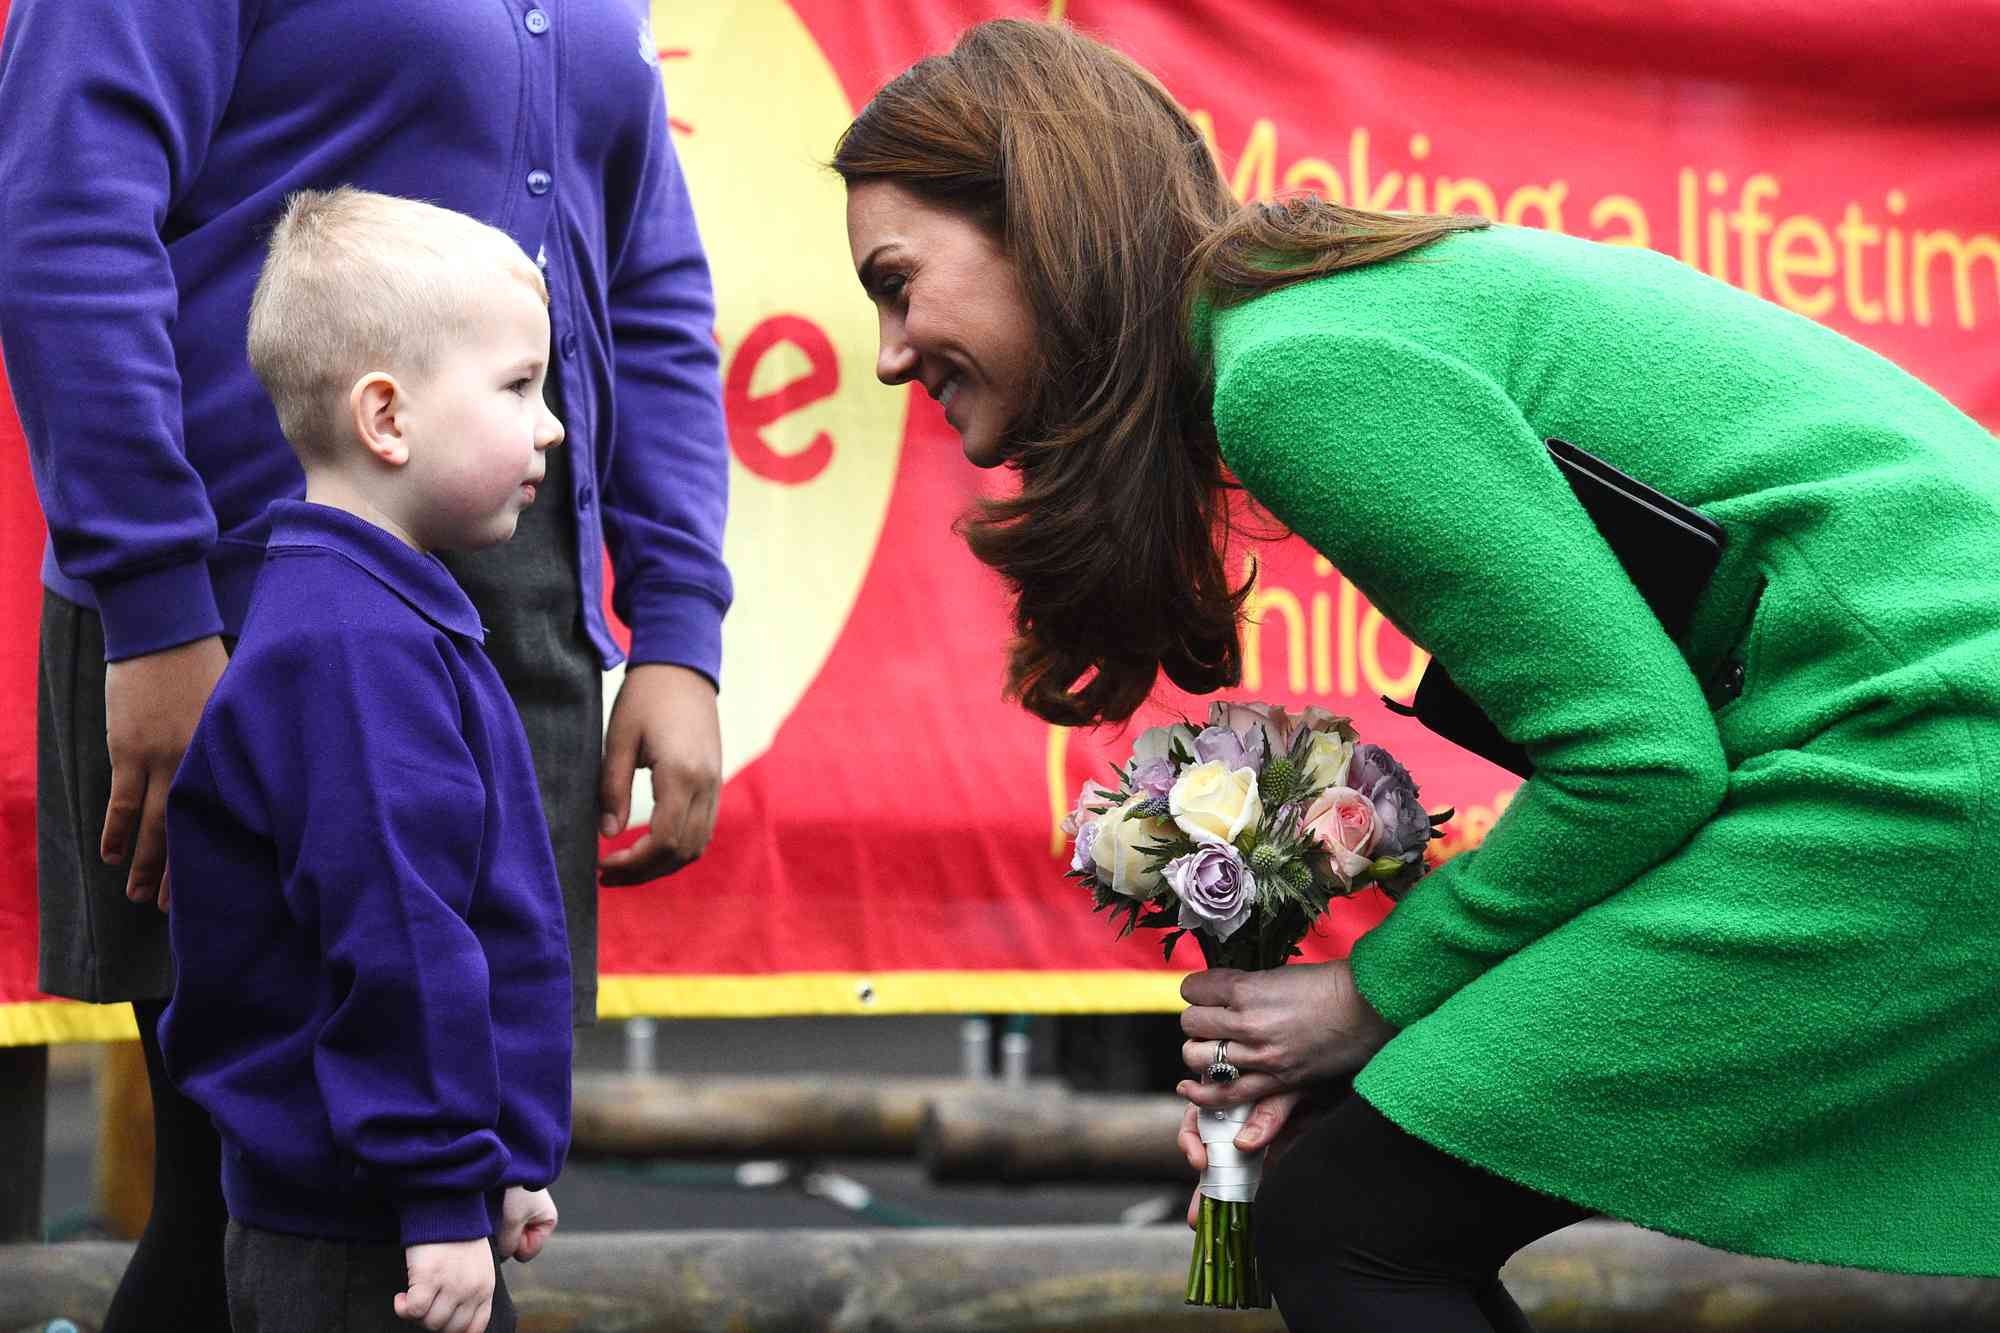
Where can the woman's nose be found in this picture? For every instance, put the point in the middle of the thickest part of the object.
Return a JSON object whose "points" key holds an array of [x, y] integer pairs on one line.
{"points": [[896, 362]]}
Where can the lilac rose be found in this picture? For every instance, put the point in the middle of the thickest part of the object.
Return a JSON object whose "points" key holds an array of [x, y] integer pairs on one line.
{"points": [[1155, 777], [1217, 891], [1232, 749], [1405, 827], [1086, 838]]}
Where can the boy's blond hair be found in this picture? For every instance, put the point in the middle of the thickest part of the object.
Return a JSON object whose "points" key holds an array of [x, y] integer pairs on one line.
{"points": [[355, 282]]}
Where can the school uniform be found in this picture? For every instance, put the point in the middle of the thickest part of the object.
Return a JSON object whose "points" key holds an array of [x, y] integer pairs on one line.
{"points": [[166, 138], [372, 1001]]}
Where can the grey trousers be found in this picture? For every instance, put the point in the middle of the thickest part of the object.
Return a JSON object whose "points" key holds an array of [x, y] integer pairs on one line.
{"points": [[97, 946], [300, 1284]]}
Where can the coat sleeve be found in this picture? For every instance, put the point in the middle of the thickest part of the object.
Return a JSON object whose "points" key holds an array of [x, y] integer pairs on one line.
{"points": [[379, 853], [110, 106], [667, 491], [1421, 480]]}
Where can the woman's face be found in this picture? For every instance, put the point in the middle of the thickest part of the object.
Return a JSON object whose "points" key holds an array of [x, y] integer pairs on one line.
{"points": [[952, 312]]}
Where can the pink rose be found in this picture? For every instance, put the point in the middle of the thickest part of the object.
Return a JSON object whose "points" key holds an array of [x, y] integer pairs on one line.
{"points": [[1315, 719], [1090, 795], [1341, 823], [1271, 719]]}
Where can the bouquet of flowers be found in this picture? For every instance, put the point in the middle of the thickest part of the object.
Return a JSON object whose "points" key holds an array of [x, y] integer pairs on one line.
{"points": [[1241, 832]]}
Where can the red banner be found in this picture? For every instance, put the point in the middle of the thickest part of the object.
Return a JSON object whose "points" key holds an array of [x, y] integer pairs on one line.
{"points": [[887, 839]]}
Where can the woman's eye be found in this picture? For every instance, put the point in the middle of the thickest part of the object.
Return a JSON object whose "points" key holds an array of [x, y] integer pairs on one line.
{"points": [[891, 286]]}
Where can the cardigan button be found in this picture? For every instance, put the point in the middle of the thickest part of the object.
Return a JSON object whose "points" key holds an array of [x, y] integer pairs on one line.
{"points": [[1732, 680]]}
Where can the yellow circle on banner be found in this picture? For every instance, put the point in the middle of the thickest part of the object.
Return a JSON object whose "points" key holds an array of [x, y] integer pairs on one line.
{"points": [[814, 438]]}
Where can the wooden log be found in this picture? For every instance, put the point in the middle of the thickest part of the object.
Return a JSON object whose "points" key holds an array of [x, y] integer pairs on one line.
{"points": [[1589, 1278], [645, 1115], [1022, 1137], [962, 1130]]}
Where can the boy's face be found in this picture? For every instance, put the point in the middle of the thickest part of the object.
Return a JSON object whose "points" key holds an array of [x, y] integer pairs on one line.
{"points": [[477, 424]]}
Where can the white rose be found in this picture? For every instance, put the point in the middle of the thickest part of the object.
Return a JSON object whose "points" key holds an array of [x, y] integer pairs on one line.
{"points": [[1326, 760], [1214, 803], [1117, 850]]}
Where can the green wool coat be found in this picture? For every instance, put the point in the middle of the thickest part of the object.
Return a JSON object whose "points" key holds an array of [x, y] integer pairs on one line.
{"points": [[1729, 965]]}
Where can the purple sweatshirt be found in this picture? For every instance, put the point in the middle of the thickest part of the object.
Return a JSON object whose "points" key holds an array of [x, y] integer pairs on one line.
{"points": [[372, 995], [148, 147]]}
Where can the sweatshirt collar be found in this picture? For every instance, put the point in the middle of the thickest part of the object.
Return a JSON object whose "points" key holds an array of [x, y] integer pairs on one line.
{"points": [[417, 577]]}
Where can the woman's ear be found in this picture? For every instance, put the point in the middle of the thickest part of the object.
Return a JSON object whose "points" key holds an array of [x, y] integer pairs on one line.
{"points": [[375, 404]]}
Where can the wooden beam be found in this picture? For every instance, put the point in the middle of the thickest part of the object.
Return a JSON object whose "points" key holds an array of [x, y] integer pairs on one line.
{"points": [[645, 1115], [1023, 1137], [1592, 1277]]}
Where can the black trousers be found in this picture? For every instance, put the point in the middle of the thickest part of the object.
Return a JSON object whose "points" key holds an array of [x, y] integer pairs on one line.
{"points": [[1363, 1228]]}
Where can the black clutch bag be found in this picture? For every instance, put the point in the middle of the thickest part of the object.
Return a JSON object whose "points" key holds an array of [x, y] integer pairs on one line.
{"points": [[1669, 551]]}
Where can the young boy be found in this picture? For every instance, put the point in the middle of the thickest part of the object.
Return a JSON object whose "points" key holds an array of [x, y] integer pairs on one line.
{"points": [[372, 994]]}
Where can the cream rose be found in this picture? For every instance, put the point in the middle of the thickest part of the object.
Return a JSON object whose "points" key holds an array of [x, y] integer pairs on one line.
{"points": [[1117, 850], [1326, 760], [1158, 743], [1212, 802]]}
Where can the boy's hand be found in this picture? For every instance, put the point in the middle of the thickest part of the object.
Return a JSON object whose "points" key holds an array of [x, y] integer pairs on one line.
{"points": [[151, 705], [526, 1219], [451, 1286]]}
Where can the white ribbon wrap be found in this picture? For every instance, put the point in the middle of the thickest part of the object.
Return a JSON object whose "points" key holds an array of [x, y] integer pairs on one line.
{"points": [[1232, 1174]]}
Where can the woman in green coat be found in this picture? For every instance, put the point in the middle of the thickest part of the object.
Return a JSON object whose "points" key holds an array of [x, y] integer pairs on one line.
{"points": [[1725, 968]]}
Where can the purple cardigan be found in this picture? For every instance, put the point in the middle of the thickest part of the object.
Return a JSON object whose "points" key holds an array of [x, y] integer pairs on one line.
{"points": [[149, 145], [372, 996]]}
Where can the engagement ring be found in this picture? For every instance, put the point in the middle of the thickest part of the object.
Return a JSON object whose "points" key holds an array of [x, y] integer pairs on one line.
{"points": [[1219, 1069]]}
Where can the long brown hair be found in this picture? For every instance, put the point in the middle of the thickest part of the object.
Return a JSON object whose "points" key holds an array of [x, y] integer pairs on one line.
{"points": [[1106, 198]]}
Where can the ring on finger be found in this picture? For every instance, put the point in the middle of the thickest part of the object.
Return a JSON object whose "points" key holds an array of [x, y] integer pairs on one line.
{"points": [[1219, 1069]]}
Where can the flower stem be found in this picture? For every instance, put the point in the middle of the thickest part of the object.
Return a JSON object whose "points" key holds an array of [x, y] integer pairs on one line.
{"points": [[1194, 1267], [1223, 1272]]}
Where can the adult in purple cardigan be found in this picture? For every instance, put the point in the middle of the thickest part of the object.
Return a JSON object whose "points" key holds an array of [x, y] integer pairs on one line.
{"points": [[150, 146]]}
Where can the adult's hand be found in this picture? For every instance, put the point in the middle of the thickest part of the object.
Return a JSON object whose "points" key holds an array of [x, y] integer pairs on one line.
{"points": [[1266, 1128], [151, 705], [664, 720], [1287, 1028]]}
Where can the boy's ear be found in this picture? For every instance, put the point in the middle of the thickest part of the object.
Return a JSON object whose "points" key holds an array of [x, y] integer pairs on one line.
{"points": [[375, 403]]}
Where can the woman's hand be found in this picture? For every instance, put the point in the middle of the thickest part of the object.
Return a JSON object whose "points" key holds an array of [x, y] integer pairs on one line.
{"points": [[1263, 1130], [1287, 1028], [664, 720], [151, 706]]}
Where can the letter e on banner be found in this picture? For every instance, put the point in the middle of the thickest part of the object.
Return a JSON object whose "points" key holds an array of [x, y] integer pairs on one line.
{"points": [[749, 412]]}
